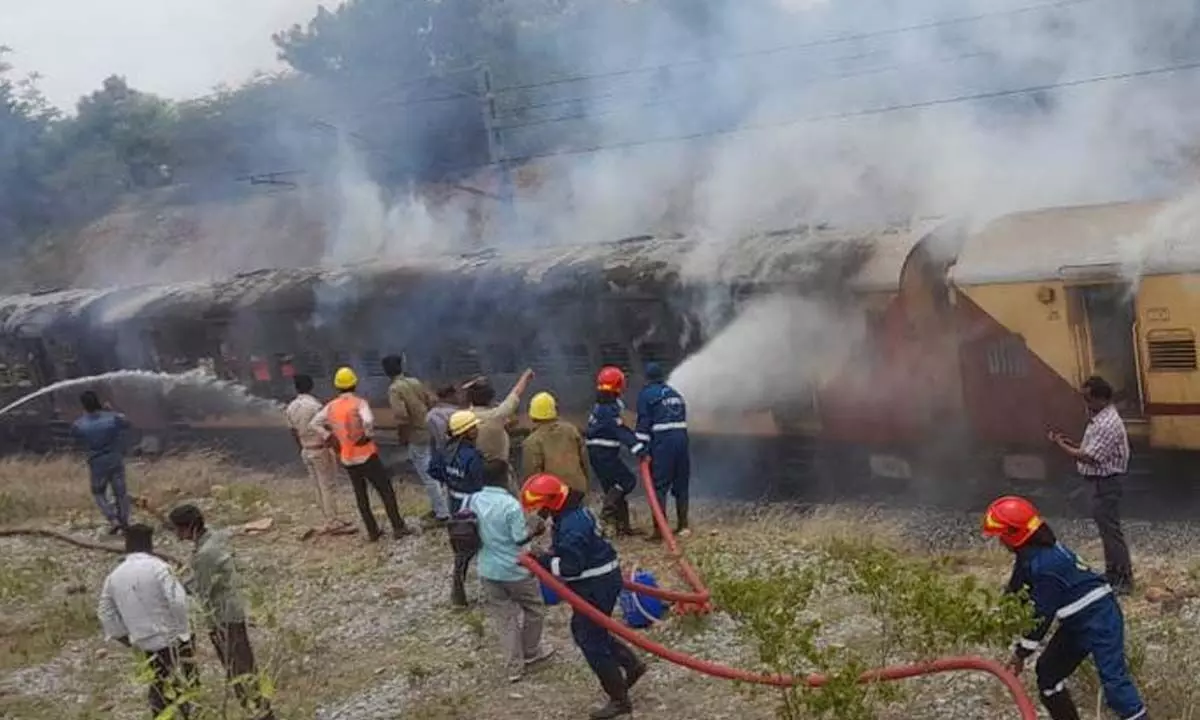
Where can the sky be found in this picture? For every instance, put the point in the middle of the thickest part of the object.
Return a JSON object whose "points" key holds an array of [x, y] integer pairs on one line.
{"points": [[174, 48]]}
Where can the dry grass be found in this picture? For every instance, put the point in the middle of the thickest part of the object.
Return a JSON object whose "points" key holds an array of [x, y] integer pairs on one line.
{"points": [[340, 624]]}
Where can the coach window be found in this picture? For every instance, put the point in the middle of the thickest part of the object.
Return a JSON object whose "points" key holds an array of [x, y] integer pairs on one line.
{"points": [[286, 365], [578, 359], [615, 354], [540, 360], [1171, 350], [655, 352], [502, 359], [1008, 357], [464, 362], [311, 364]]}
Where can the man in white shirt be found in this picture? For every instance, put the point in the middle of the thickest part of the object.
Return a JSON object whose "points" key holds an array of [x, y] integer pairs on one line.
{"points": [[315, 452], [144, 607]]}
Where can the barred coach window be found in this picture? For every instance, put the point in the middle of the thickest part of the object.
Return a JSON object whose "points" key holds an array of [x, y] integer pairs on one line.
{"points": [[1171, 350]]}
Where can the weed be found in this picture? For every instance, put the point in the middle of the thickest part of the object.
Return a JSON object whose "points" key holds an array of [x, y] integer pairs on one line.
{"points": [[922, 612], [475, 622]]}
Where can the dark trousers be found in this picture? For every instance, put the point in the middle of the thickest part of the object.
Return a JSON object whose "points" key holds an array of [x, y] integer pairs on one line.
{"points": [[458, 586], [671, 470], [175, 675], [1106, 511], [232, 643], [108, 475], [1100, 634], [601, 650], [462, 561], [373, 472]]}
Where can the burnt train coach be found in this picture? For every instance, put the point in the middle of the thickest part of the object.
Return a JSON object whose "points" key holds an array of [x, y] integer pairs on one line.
{"points": [[562, 311], [975, 345]]}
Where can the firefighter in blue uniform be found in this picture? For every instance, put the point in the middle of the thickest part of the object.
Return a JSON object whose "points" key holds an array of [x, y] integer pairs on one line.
{"points": [[1061, 587], [460, 467], [581, 557], [662, 426], [606, 435]]}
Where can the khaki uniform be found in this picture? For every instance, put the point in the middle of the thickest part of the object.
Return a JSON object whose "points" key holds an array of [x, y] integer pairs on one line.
{"points": [[410, 401], [493, 441], [316, 454], [558, 448]]}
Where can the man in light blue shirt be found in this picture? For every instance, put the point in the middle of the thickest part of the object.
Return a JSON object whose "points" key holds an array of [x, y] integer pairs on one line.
{"points": [[512, 594], [102, 433]]}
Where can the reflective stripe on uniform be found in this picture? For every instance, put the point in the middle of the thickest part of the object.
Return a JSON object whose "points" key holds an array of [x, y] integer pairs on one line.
{"points": [[1139, 714], [642, 436], [1028, 644], [661, 427], [1062, 685], [1068, 610], [606, 568], [601, 442], [458, 495], [637, 448]]}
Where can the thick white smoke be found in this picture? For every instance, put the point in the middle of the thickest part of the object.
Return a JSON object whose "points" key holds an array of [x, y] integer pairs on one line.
{"points": [[773, 354]]}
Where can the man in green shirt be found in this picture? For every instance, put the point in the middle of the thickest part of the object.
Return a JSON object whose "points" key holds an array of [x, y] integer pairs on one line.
{"points": [[212, 581]]}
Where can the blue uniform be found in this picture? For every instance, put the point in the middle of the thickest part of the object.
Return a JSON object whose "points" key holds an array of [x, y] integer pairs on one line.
{"points": [[606, 435], [662, 426], [583, 558], [102, 433], [1063, 588], [460, 467]]}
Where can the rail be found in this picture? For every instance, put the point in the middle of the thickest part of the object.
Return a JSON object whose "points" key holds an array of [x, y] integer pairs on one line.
{"points": [[700, 600]]}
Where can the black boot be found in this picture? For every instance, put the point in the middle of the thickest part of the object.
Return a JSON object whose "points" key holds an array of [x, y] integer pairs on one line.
{"points": [[681, 512], [1060, 706], [618, 694], [633, 666]]}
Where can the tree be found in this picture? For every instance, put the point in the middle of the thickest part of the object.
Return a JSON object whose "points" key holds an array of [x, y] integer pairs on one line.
{"points": [[25, 118]]}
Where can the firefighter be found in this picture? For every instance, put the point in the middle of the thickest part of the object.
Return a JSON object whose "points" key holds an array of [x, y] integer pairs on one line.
{"points": [[348, 418], [582, 558], [606, 434], [554, 446], [460, 467], [662, 426], [1062, 587]]}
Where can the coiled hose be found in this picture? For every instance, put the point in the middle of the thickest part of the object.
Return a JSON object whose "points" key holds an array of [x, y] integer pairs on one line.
{"points": [[701, 599]]}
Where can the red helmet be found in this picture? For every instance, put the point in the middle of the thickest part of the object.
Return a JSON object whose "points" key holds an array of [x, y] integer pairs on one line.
{"points": [[610, 379], [544, 491], [1012, 519]]}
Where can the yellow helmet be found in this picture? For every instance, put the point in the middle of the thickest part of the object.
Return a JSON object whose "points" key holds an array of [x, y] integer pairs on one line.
{"points": [[345, 379], [462, 421], [543, 407]]}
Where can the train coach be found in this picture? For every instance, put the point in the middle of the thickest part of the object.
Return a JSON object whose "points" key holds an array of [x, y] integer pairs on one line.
{"points": [[975, 344]]}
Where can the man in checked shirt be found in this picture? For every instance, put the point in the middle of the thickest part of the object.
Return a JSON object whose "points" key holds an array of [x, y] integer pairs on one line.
{"points": [[1102, 458]]}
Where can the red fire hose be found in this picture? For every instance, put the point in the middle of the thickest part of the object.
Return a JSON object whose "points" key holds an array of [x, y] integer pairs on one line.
{"points": [[699, 600], [896, 672]]}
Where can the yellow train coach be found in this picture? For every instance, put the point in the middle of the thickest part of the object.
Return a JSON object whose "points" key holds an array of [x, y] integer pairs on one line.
{"points": [[1045, 299]]}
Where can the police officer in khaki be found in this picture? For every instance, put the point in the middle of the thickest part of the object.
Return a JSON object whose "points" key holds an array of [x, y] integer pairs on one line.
{"points": [[555, 447]]}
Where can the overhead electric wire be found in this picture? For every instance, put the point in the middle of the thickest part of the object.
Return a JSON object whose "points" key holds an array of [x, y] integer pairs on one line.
{"points": [[672, 99], [792, 47], [761, 52], [918, 105]]}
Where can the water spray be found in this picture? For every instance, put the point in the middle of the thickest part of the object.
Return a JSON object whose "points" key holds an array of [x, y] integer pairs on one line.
{"points": [[195, 388]]}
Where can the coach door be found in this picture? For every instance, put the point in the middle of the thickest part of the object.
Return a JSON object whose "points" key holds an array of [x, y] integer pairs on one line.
{"points": [[1104, 326]]}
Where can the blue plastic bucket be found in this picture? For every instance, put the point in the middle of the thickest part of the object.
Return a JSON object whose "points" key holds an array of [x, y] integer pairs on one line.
{"points": [[641, 611], [548, 596]]}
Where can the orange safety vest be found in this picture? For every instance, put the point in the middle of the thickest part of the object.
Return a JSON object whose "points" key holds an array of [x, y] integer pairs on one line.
{"points": [[347, 427]]}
